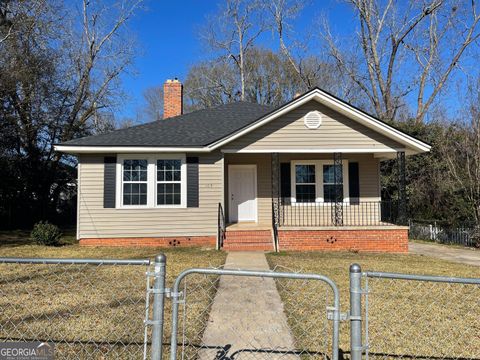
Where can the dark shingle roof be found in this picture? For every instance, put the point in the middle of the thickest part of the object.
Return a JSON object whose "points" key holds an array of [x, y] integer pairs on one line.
{"points": [[198, 128]]}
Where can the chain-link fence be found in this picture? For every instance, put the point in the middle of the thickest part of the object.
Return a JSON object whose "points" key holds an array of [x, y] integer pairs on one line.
{"points": [[421, 317], [123, 309], [222, 331], [89, 309]]}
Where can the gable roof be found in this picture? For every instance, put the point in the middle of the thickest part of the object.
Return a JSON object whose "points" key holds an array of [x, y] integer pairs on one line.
{"points": [[208, 129]]}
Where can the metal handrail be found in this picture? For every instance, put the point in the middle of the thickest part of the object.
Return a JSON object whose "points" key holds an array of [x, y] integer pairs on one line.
{"points": [[221, 226], [275, 222]]}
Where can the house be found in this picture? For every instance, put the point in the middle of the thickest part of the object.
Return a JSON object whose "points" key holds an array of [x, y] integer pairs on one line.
{"points": [[304, 175]]}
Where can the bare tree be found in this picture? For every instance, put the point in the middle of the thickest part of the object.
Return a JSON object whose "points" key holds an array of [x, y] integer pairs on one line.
{"points": [[153, 97], [281, 13], [461, 151], [436, 34], [234, 32], [210, 83], [59, 79]]}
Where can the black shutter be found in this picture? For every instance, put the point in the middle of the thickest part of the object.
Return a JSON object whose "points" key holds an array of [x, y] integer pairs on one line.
{"points": [[285, 181], [353, 183], [192, 182], [109, 180]]}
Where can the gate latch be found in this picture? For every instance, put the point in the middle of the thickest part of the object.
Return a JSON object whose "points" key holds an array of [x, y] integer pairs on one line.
{"points": [[343, 316], [175, 296]]}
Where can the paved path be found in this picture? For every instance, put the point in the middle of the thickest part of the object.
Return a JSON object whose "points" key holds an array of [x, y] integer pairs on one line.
{"points": [[464, 256], [247, 314]]}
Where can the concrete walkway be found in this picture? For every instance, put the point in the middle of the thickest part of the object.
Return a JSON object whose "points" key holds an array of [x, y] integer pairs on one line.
{"points": [[247, 319], [463, 256]]}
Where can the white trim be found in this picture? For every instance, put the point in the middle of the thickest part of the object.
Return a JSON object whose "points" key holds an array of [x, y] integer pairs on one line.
{"points": [[151, 180], [319, 181], [127, 149], [245, 166], [348, 110], [313, 151]]}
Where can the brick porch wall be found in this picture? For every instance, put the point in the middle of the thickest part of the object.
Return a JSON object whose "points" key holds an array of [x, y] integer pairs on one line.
{"points": [[176, 241], [375, 240]]}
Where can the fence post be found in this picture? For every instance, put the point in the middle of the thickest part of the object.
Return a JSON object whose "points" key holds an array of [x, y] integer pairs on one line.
{"points": [[158, 298], [356, 348]]}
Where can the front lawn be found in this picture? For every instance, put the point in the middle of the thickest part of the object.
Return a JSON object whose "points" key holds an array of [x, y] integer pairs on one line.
{"points": [[88, 311], [407, 319]]}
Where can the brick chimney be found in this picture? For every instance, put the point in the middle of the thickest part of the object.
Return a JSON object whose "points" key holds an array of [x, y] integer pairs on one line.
{"points": [[172, 98]]}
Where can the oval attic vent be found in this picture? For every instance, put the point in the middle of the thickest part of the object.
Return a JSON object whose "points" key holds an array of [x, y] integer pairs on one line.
{"points": [[313, 120]]}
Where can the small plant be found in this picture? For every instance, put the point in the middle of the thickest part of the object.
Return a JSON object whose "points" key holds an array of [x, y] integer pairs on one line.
{"points": [[45, 233]]}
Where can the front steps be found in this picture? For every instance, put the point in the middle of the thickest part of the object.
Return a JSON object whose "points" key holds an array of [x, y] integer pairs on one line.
{"points": [[248, 240]]}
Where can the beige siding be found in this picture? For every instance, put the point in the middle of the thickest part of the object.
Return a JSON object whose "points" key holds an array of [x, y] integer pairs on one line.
{"points": [[264, 181], [288, 132], [368, 169], [97, 222], [367, 212], [369, 178]]}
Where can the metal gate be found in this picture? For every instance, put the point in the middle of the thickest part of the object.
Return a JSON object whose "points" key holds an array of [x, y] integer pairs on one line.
{"points": [[246, 325]]}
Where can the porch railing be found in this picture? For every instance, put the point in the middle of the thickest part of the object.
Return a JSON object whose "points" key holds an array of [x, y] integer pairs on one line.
{"points": [[369, 213], [221, 226]]}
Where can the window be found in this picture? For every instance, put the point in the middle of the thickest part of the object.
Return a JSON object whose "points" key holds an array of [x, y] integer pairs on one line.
{"points": [[305, 183], [313, 181], [332, 191], [151, 180], [169, 181], [135, 182]]}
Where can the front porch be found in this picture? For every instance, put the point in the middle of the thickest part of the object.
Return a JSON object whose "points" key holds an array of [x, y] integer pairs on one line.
{"points": [[311, 200]]}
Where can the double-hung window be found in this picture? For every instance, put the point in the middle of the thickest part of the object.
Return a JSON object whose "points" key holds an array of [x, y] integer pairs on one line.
{"points": [[313, 181], [169, 182], [151, 180], [332, 191], [135, 182], [305, 184]]}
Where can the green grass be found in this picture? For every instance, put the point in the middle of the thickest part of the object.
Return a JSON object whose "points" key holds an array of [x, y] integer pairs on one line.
{"points": [[88, 311], [406, 318]]}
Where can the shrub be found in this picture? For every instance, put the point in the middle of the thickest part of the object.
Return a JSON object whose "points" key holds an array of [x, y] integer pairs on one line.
{"points": [[45, 233]]}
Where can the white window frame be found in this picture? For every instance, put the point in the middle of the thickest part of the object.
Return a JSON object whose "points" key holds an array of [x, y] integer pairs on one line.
{"points": [[151, 180], [319, 199]]}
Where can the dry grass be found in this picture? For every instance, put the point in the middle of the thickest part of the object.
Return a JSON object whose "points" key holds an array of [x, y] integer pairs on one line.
{"points": [[89, 311], [407, 319]]}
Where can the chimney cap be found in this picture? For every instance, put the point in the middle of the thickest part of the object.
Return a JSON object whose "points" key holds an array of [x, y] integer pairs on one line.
{"points": [[175, 80]]}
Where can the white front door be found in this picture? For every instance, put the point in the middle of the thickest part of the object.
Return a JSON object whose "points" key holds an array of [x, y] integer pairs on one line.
{"points": [[242, 192]]}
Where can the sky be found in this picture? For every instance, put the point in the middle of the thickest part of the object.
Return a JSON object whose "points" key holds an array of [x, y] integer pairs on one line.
{"points": [[169, 42]]}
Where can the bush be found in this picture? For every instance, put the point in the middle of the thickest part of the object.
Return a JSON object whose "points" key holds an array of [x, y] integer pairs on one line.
{"points": [[45, 233]]}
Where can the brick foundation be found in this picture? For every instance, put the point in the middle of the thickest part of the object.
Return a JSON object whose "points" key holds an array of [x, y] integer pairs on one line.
{"points": [[176, 241], [393, 240]]}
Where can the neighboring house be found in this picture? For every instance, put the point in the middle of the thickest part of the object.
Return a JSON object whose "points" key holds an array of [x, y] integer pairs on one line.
{"points": [[304, 175]]}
